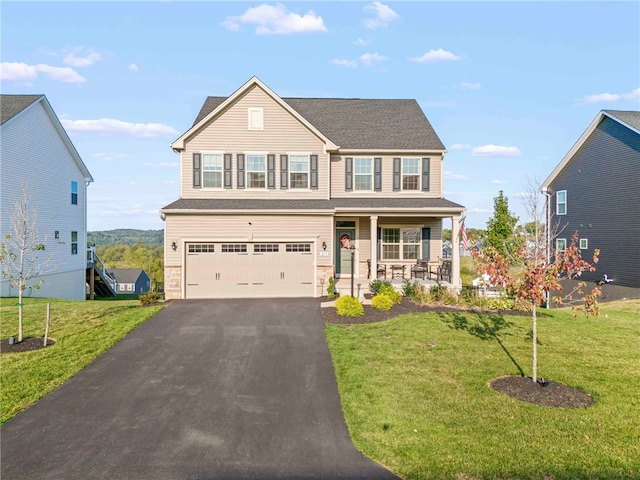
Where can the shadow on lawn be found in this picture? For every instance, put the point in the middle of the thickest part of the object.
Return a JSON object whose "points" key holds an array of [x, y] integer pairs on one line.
{"points": [[484, 327]]}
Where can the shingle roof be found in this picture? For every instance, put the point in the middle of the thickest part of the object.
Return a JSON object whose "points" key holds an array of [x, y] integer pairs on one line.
{"points": [[126, 275], [11, 105], [629, 117], [361, 123], [379, 204]]}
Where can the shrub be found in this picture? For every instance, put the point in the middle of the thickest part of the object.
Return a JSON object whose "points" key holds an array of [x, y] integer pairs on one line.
{"points": [[382, 302], [349, 307], [501, 303], [377, 284], [440, 293], [409, 288], [149, 298], [331, 289], [389, 291]]}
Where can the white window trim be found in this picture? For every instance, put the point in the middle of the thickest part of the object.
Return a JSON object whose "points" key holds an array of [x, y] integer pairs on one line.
{"points": [[202, 170], [401, 244], [561, 203], [246, 170], [419, 174], [584, 244], [255, 118], [558, 242], [308, 155], [371, 163]]}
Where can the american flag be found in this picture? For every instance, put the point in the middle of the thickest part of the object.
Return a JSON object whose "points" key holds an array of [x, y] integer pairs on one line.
{"points": [[463, 235]]}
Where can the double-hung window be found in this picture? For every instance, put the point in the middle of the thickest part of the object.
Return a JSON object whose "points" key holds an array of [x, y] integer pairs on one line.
{"points": [[561, 202], [298, 171], [256, 171], [401, 243], [411, 173], [74, 193], [363, 173], [212, 170], [561, 245], [74, 243]]}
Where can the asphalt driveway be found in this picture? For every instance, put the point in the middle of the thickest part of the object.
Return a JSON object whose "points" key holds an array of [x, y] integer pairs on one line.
{"points": [[218, 389]]}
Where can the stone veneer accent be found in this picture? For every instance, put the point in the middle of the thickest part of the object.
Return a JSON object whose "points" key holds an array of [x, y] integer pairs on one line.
{"points": [[172, 282], [324, 272]]}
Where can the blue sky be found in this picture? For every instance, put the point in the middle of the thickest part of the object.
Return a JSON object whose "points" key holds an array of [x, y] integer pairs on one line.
{"points": [[508, 86]]}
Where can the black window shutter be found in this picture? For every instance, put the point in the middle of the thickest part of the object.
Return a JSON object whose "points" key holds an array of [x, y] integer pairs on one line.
{"points": [[228, 159], [196, 170], [426, 243], [379, 243], [284, 172], [396, 174], [377, 174], [271, 171], [314, 172], [425, 174], [240, 173], [348, 174]]}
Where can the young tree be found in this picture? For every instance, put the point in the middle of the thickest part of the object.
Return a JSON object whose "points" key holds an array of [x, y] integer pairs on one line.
{"points": [[536, 273], [22, 250], [501, 229]]}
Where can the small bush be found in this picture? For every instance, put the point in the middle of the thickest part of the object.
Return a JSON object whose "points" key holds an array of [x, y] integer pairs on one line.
{"points": [[382, 302], [501, 303], [149, 298], [349, 307], [409, 288], [389, 291], [377, 284], [331, 289]]}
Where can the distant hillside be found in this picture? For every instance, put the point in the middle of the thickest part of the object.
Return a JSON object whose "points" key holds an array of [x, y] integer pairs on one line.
{"points": [[126, 236]]}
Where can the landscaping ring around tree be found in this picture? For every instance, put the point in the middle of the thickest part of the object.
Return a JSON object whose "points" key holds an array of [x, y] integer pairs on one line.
{"points": [[543, 392]]}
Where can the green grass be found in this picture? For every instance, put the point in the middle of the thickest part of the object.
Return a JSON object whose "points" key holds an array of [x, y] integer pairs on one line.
{"points": [[82, 330], [416, 398]]}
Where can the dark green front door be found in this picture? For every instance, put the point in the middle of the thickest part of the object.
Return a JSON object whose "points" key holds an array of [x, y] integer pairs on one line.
{"points": [[345, 238]]}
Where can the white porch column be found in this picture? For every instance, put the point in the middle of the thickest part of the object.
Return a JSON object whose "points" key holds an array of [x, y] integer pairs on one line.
{"points": [[455, 252], [374, 246]]}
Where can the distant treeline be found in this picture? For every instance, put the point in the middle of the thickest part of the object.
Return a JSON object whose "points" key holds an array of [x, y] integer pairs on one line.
{"points": [[126, 236]]}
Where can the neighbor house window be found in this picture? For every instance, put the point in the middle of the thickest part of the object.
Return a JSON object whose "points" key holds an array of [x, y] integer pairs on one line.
{"points": [[256, 118], [212, 170], [584, 244], [74, 243], [256, 171], [561, 245], [411, 173], [561, 202], [363, 173], [401, 243], [299, 171], [74, 193]]}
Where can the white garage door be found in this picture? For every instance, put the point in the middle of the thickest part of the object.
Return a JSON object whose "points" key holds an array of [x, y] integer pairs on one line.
{"points": [[249, 270]]}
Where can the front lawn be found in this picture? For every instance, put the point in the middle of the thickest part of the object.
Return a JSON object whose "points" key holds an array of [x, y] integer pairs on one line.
{"points": [[416, 398], [82, 330]]}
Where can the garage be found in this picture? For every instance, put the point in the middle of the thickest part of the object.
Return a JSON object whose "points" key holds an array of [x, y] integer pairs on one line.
{"points": [[249, 270]]}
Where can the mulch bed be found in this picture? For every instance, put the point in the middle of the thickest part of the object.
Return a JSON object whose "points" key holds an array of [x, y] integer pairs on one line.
{"points": [[26, 345]]}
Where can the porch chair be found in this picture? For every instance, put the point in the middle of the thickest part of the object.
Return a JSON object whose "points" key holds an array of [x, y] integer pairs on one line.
{"points": [[381, 270], [420, 268]]}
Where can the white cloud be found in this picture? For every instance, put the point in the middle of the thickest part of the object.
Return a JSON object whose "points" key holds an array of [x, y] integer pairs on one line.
{"points": [[19, 72], [366, 59], [498, 182], [133, 67], [470, 86], [382, 15], [633, 95], [495, 151], [435, 56], [276, 20], [161, 165], [362, 42], [459, 146], [82, 57], [454, 176], [110, 126]]}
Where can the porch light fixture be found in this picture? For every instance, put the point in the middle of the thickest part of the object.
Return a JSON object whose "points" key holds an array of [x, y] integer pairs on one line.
{"points": [[174, 247], [324, 245]]}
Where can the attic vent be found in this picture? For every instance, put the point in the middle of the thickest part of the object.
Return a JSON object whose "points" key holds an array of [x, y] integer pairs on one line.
{"points": [[256, 118]]}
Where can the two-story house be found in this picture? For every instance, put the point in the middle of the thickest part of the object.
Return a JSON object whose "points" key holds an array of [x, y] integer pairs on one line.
{"points": [[279, 194], [594, 191], [36, 152]]}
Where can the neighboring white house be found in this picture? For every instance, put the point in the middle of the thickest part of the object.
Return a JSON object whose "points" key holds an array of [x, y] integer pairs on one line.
{"points": [[36, 151]]}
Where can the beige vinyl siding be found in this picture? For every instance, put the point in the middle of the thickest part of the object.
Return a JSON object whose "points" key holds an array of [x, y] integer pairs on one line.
{"points": [[236, 228], [338, 176], [229, 133]]}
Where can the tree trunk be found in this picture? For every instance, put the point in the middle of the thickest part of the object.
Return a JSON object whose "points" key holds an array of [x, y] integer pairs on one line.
{"points": [[19, 313], [46, 328], [535, 341]]}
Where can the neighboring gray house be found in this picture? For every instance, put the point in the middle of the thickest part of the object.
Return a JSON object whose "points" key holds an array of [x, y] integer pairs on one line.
{"points": [[274, 192], [131, 280], [36, 151], [594, 190]]}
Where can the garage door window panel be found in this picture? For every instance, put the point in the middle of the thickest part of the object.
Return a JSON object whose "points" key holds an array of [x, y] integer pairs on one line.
{"points": [[233, 248], [266, 248]]}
